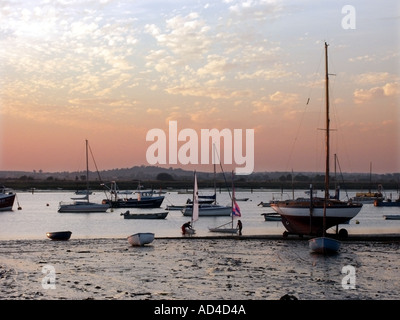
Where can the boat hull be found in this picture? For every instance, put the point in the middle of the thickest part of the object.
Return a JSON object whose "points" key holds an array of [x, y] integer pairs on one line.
{"points": [[392, 217], [224, 230], [141, 239], [324, 245], [7, 201], [208, 211], [152, 202], [156, 215], [59, 235], [300, 219], [188, 231], [83, 208], [378, 203], [272, 217]]}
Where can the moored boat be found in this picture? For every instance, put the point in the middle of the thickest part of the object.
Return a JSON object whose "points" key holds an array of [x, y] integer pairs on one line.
{"points": [[392, 217], [305, 216], [271, 216], [83, 205], [368, 197], [314, 215], [235, 212], [149, 215], [7, 198], [387, 203], [324, 245], [144, 199], [208, 210], [141, 238], [59, 235]]}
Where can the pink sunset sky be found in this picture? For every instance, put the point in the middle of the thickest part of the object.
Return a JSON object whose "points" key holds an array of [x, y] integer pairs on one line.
{"points": [[111, 71]]}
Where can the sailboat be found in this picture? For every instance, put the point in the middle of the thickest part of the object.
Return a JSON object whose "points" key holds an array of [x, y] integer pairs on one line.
{"points": [[369, 197], [195, 210], [209, 209], [145, 198], [314, 215], [234, 213], [83, 205]]}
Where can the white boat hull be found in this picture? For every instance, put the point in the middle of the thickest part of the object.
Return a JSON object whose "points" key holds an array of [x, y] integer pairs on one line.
{"points": [[303, 220], [189, 231], [208, 210], [83, 207], [140, 239]]}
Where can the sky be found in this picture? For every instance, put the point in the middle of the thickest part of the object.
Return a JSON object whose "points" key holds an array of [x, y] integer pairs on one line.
{"points": [[112, 71]]}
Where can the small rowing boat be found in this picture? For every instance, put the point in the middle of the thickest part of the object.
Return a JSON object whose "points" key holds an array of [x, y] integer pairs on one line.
{"points": [[141, 238], [59, 235]]}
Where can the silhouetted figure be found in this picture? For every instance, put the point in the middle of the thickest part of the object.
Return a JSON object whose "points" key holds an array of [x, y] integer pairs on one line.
{"points": [[240, 226]]}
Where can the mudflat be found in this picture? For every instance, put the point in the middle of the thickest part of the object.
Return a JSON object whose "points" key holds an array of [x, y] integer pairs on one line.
{"points": [[196, 269]]}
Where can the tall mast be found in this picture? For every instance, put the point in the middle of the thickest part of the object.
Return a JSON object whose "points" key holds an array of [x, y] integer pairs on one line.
{"points": [[327, 123], [87, 172], [215, 175], [327, 136]]}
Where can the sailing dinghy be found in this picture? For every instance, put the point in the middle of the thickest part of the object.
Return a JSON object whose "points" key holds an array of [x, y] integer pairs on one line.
{"points": [[228, 227]]}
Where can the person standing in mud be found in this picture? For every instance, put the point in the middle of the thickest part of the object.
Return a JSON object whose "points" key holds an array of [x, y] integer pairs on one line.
{"points": [[239, 226]]}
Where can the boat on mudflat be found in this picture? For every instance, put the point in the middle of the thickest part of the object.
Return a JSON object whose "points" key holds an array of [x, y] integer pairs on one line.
{"points": [[141, 238], [314, 215], [306, 215], [59, 235], [324, 245]]}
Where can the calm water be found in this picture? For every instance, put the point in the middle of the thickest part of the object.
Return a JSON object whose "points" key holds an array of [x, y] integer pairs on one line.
{"points": [[39, 215]]}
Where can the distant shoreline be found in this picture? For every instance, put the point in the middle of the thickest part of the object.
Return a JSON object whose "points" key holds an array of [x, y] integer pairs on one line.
{"points": [[241, 184]]}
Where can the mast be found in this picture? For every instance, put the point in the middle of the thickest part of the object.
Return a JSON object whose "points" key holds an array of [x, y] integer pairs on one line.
{"points": [[215, 175], [195, 207], [232, 203], [327, 147], [87, 171], [370, 176]]}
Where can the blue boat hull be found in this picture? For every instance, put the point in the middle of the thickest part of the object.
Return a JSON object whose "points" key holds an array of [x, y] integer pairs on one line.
{"points": [[324, 245]]}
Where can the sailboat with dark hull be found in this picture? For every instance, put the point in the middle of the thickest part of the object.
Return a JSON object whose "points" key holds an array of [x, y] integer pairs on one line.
{"points": [[314, 215]]}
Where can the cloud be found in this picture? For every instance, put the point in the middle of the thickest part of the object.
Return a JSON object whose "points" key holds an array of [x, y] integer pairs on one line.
{"points": [[285, 101], [184, 36], [373, 78], [255, 10], [154, 111], [387, 90], [202, 91], [284, 98], [216, 66]]}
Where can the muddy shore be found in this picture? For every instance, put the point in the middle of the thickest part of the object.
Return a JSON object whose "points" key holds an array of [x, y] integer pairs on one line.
{"points": [[196, 269]]}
